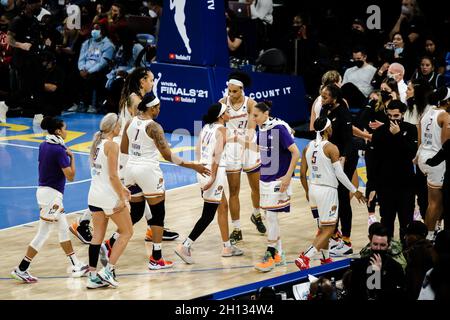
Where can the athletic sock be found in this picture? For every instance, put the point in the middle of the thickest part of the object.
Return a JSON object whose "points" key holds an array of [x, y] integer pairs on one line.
{"points": [[25, 263]]}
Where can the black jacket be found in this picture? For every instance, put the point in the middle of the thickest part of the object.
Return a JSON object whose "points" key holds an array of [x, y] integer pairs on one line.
{"points": [[393, 155], [341, 122]]}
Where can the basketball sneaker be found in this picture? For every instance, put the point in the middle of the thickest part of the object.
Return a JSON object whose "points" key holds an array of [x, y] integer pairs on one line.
{"points": [[231, 251], [167, 235], [82, 231], [302, 262], [159, 264], [184, 253], [371, 219], [267, 264], [257, 221], [236, 236], [325, 261], [341, 249], [280, 259], [105, 253], [107, 275], [95, 282], [23, 276], [334, 240], [79, 270]]}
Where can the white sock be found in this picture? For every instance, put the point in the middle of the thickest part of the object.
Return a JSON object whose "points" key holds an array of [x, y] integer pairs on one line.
{"points": [[115, 235], [325, 254], [227, 244], [93, 274], [279, 248], [237, 224], [73, 258], [256, 212], [157, 246], [188, 243], [430, 235], [87, 215], [311, 251], [110, 266]]}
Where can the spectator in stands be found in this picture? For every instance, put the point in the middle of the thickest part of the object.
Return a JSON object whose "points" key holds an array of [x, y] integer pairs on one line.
{"points": [[122, 64], [114, 20], [397, 72], [433, 51], [53, 79], [418, 252], [385, 58], [24, 37], [322, 290], [410, 22], [5, 56], [436, 284], [394, 250], [427, 72], [235, 36], [155, 9], [356, 85], [377, 276], [402, 52], [394, 147], [92, 64], [261, 14]]}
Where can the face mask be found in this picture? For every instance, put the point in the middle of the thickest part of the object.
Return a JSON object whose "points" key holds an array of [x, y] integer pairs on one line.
{"points": [[406, 10], [398, 51], [359, 63], [385, 96], [152, 14], [410, 102], [390, 75], [96, 34], [327, 106], [382, 253]]}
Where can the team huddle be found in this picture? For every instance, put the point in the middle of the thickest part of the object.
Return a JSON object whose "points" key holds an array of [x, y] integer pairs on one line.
{"points": [[127, 182]]}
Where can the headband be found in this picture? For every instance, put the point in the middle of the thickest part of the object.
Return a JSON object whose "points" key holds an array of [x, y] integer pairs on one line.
{"points": [[222, 110], [153, 103], [318, 136], [235, 82]]}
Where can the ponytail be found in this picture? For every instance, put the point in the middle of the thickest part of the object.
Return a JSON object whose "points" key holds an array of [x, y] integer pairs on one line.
{"points": [[264, 106], [107, 125]]}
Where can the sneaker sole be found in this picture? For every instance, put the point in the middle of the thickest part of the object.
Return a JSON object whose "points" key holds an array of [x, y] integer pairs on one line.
{"points": [[348, 253], [16, 277], [184, 259], [80, 274], [152, 267], [76, 234], [264, 269], [99, 286]]}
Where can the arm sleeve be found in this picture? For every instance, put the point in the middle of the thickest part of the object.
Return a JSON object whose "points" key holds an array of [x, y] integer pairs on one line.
{"points": [[342, 177]]}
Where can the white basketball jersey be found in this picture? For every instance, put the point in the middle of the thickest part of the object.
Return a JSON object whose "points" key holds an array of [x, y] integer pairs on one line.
{"points": [[101, 185], [208, 141], [141, 148], [321, 171], [125, 116], [430, 130], [238, 118]]}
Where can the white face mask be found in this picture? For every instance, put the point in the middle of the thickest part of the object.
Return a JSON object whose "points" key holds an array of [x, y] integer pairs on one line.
{"points": [[152, 14], [406, 10]]}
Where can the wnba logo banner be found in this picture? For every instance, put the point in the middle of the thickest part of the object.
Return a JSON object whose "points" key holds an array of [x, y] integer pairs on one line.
{"points": [[193, 33]]}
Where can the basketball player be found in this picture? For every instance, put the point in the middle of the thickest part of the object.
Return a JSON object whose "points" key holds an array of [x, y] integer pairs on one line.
{"points": [[56, 164], [212, 142], [108, 198], [143, 142], [238, 159], [325, 169], [279, 156], [434, 130]]}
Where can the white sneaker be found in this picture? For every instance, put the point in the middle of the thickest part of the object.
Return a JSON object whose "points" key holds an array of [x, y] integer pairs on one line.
{"points": [[107, 275], [231, 251], [91, 109], [184, 253], [3, 109], [417, 215], [23, 276], [372, 219], [341, 250], [79, 270], [38, 119], [73, 108], [333, 243], [104, 259], [95, 282]]}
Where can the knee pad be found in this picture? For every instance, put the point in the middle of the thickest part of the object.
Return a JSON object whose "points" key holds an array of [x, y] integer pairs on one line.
{"points": [[63, 229], [41, 236], [158, 214], [147, 212], [273, 230], [137, 211]]}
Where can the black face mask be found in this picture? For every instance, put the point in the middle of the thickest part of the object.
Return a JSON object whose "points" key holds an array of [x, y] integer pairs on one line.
{"points": [[359, 63], [382, 253], [385, 96], [327, 106], [410, 102]]}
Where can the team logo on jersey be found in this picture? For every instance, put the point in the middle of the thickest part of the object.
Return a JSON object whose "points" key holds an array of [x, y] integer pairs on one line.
{"points": [[333, 211], [218, 190], [160, 183]]}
